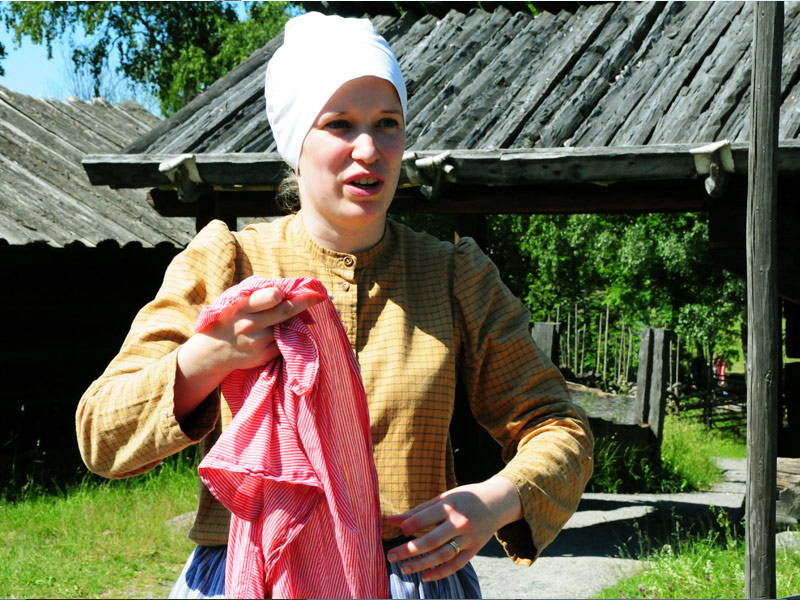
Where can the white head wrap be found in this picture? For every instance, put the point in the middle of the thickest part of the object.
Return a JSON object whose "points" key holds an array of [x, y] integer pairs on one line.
{"points": [[320, 54]]}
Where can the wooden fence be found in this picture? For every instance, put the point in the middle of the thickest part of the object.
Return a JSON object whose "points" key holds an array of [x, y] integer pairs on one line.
{"points": [[636, 418]]}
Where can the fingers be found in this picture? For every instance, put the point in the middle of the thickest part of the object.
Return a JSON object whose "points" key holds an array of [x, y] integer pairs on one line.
{"points": [[445, 568], [468, 515], [263, 299], [269, 303], [444, 560]]}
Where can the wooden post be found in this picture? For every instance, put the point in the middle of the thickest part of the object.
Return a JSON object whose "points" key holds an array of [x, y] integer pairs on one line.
{"points": [[599, 344], [651, 381], [577, 343], [762, 302], [546, 337], [569, 328], [644, 374], [630, 355], [658, 383], [621, 355], [605, 345], [583, 345]]}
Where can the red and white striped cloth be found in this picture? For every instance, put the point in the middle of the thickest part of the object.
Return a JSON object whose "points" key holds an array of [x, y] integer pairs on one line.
{"points": [[295, 464]]}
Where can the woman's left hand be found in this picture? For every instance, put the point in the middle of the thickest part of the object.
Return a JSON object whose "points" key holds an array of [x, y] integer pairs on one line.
{"points": [[468, 515]]}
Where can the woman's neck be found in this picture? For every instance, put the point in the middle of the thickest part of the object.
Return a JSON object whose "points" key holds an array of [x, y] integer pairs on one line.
{"points": [[347, 240]]}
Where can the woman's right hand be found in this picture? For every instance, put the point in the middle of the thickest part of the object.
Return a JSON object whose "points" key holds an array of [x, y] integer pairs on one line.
{"points": [[241, 338]]}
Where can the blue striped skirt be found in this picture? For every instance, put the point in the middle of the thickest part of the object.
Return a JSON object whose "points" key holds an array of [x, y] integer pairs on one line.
{"points": [[203, 576]]}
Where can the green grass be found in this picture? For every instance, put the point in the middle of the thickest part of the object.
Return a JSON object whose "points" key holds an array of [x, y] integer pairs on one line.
{"points": [[686, 464], [698, 560], [706, 565], [97, 540]]}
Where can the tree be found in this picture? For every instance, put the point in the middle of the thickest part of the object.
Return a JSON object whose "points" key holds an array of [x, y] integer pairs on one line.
{"points": [[174, 49], [652, 270]]}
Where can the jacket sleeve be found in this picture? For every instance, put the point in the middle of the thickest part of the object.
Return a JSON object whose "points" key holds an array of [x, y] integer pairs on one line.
{"points": [[520, 397], [125, 422]]}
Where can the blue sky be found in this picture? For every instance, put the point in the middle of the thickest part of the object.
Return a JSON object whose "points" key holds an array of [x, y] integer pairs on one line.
{"points": [[28, 71]]}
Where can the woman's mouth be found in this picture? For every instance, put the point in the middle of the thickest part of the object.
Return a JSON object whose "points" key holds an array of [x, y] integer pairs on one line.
{"points": [[365, 183]]}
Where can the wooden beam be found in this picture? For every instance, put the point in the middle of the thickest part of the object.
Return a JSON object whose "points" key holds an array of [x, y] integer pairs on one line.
{"points": [[254, 171], [628, 197], [668, 196], [762, 303]]}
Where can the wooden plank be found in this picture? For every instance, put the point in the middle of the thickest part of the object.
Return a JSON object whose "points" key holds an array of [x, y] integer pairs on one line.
{"points": [[18, 124], [737, 126], [762, 302], [416, 33], [546, 336], [115, 134], [398, 29], [467, 47], [441, 85], [657, 398], [543, 82], [788, 487], [155, 139], [53, 196], [698, 91], [202, 125], [637, 20], [645, 374], [66, 129], [477, 87], [140, 119], [623, 410], [672, 80], [617, 113], [790, 77], [253, 135], [432, 51]]}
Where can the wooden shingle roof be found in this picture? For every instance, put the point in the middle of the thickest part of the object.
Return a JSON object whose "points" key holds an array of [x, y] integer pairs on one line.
{"points": [[45, 195], [608, 92], [607, 75]]}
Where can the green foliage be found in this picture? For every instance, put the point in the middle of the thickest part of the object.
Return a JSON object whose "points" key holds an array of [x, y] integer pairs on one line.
{"points": [[686, 463], [652, 270], [175, 49]]}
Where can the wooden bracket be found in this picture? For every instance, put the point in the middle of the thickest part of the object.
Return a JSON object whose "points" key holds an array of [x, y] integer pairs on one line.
{"points": [[431, 173], [714, 161], [182, 171]]}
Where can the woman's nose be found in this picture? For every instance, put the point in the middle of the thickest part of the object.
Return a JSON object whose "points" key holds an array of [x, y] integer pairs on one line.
{"points": [[365, 149]]}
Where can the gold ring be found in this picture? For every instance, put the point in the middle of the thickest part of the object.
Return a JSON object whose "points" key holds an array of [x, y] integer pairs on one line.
{"points": [[455, 546]]}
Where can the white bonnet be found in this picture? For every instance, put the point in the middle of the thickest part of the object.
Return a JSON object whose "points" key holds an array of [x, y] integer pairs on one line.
{"points": [[320, 54]]}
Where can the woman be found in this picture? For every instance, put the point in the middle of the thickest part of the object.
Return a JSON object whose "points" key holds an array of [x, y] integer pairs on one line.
{"points": [[419, 313]]}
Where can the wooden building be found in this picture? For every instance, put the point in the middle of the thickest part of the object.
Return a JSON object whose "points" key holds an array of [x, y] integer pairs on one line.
{"points": [[76, 260], [586, 107]]}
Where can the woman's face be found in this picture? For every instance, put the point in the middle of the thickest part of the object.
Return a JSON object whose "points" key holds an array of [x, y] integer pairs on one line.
{"points": [[350, 160]]}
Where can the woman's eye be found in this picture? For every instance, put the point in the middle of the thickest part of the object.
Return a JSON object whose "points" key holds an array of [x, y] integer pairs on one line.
{"points": [[388, 122], [337, 124]]}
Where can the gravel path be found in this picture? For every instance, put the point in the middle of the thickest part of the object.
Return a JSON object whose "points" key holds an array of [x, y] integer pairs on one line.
{"points": [[591, 552]]}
